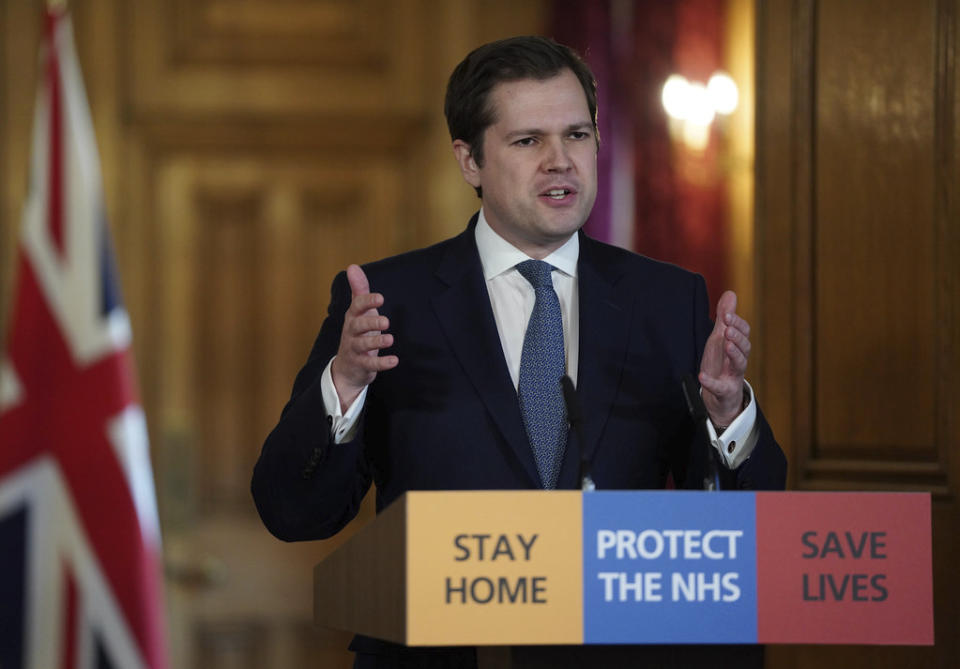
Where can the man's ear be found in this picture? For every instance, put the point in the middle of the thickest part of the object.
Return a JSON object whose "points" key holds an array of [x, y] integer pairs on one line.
{"points": [[468, 166]]}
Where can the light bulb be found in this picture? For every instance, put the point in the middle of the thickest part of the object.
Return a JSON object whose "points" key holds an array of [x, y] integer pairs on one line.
{"points": [[723, 93], [676, 97]]}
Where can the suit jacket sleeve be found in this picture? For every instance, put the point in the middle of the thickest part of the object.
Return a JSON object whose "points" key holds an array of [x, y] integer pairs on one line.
{"points": [[304, 485]]}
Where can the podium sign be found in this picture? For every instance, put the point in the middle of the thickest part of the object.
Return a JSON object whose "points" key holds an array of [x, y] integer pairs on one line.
{"points": [[530, 567], [497, 568], [670, 567]]}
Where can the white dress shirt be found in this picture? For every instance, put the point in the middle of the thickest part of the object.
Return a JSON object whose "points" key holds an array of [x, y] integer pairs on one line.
{"points": [[512, 298]]}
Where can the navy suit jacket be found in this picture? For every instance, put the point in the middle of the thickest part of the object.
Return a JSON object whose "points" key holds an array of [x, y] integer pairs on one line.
{"points": [[447, 417]]}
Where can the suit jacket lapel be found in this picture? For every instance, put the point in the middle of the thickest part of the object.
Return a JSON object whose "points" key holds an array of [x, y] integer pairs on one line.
{"points": [[605, 316], [466, 318]]}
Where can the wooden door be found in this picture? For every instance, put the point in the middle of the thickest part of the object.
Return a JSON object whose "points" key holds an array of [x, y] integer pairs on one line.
{"points": [[858, 325]]}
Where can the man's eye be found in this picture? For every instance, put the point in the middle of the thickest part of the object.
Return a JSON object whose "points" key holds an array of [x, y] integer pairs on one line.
{"points": [[524, 141], [579, 134]]}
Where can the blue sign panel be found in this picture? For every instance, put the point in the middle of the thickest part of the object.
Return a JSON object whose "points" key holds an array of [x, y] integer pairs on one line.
{"points": [[664, 567]]}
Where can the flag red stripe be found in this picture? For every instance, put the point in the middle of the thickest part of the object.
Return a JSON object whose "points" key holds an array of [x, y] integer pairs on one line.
{"points": [[24, 425]]}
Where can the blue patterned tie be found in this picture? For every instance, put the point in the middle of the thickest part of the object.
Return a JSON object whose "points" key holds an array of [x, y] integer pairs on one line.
{"points": [[542, 364]]}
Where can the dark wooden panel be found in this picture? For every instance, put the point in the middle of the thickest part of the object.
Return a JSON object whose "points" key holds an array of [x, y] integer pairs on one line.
{"points": [[857, 215], [855, 235], [772, 358], [874, 229]]}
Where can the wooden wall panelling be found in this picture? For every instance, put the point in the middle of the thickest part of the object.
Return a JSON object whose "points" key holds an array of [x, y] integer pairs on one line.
{"points": [[265, 169], [777, 158], [739, 59], [255, 245], [329, 33], [296, 195], [234, 645], [857, 231], [854, 217], [247, 248], [230, 332], [20, 33], [249, 151], [261, 56], [874, 237], [804, 127]]}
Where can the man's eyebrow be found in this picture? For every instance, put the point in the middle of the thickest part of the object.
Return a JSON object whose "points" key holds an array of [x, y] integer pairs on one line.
{"points": [[524, 133], [584, 125]]}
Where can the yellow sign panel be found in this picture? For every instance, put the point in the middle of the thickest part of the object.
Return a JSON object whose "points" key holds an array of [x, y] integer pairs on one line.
{"points": [[485, 569]]}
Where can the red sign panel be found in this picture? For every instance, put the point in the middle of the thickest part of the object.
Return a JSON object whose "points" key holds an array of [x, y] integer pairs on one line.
{"points": [[844, 568]]}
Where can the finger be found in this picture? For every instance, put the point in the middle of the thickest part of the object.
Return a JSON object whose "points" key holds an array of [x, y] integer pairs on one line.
{"points": [[385, 362], [367, 324], [364, 346], [734, 321], [364, 303], [737, 358], [738, 338], [358, 281], [378, 363], [716, 386], [726, 305]]}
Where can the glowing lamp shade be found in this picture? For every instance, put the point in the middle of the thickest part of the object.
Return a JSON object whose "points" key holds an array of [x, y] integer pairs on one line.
{"points": [[676, 97], [723, 93], [701, 111]]}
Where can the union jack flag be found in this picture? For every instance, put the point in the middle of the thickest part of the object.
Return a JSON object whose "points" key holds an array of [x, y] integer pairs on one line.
{"points": [[80, 580]]}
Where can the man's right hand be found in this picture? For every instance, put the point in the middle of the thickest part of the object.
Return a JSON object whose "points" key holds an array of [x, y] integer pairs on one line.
{"points": [[358, 358]]}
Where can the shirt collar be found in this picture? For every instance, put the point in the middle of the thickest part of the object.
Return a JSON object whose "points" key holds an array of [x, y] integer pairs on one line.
{"points": [[497, 255]]}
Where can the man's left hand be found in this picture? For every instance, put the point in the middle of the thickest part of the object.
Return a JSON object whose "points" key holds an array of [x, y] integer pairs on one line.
{"points": [[724, 362]]}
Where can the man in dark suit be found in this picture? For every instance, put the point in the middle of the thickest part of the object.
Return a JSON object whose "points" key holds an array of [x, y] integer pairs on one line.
{"points": [[457, 399]]}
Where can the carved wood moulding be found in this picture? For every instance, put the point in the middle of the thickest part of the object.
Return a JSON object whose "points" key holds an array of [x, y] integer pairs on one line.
{"points": [[259, 57], [342, 33]]}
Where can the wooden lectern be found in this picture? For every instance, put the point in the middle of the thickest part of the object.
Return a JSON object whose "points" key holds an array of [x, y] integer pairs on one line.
{"points": [[496, 569]]}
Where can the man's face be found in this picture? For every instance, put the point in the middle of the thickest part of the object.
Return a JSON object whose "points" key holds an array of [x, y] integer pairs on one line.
{"points": [[539, 175]]}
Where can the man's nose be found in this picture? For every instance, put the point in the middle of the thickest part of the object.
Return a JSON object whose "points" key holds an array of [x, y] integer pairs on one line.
{"points": [[556, 158]]}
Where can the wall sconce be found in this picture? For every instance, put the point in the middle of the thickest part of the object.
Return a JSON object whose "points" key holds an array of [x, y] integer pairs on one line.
{"points": [[693, 106]]}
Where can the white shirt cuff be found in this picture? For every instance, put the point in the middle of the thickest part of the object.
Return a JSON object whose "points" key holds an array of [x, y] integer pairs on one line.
{"points": [[737, 442], [343, 426]]}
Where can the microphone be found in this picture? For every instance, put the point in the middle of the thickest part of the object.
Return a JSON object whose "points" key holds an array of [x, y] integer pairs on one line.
{"points": [[575, 417], [698, 413]]}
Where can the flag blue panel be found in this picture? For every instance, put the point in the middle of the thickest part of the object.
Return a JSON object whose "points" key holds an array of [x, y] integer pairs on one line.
{"points": [[102, 660], [13, 578], [109, 285]]}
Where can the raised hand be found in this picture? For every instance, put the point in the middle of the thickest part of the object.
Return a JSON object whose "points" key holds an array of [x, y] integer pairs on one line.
{"points": [[724, 362], [358, 359]]}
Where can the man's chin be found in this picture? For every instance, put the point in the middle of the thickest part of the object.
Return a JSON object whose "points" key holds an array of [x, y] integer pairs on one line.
{"points": [[561, 227]]}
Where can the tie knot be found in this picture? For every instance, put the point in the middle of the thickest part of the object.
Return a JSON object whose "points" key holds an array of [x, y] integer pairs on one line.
{"points": [[536, 272]]}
